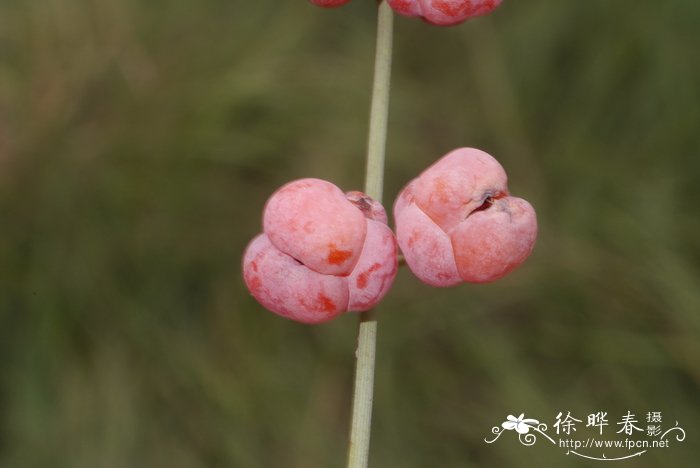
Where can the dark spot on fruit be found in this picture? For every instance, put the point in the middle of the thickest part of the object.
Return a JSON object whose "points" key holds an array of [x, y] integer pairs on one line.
{"points": [[363, 204], [488, 201]]}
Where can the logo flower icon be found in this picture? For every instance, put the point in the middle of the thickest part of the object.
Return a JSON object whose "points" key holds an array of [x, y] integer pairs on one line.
{"points": [[521, 425]]}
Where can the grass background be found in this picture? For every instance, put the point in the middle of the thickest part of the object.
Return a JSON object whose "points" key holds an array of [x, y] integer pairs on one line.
{"points": [[140, 139]]}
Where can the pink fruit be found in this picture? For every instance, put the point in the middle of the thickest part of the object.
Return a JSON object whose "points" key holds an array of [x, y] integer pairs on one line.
{"points": [[329, 3], [444, 12], [456, 221], [322, 253]]}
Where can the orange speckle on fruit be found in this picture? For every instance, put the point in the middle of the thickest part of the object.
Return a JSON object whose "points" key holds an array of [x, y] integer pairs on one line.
{"points": [[254, 284], [362, 277], [325, 304], [336, 256], [441, 190], [362, 280], [414, 237], [451, 9]]}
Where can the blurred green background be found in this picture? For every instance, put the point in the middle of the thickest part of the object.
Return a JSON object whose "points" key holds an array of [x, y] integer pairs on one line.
{"points": [[140, 139]]}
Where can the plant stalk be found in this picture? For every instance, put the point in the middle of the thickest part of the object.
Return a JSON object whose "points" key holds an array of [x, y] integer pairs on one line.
{"points": [[358, 450]]}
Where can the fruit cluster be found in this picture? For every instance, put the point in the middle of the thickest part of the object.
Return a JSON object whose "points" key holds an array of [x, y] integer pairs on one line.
{"points": [[323, 252]]}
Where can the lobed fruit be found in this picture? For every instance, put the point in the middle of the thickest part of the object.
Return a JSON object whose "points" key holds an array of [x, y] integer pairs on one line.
{"points": [[321, 253], [444, 12], [457, 222]]}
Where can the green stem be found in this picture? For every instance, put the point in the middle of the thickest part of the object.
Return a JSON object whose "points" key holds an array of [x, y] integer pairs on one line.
{"points": [[358, 451], [379, 114]]}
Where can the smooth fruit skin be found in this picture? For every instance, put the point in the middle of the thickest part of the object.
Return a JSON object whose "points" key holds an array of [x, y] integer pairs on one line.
{"points": [[444, 12], [290, 289], [322, 253], [457, 222], [376, 269], [303, 219], [329, 3]]}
